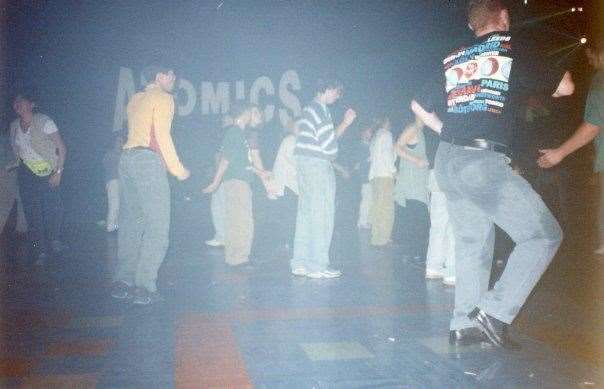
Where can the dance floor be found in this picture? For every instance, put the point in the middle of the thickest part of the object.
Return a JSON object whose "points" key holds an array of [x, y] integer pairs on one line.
{"points": [[380, 325]]}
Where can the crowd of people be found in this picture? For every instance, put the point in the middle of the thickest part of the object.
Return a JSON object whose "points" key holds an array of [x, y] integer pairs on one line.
{"points": [[440, 205]]}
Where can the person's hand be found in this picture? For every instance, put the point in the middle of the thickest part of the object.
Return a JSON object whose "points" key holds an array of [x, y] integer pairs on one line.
{"points": [[211, 188], [550, 158], [184, 175], [55, 179], [422, 163], [349, 116], [265, 175]]}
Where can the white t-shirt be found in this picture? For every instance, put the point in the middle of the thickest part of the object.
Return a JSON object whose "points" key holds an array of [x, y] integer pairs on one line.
{"points": [[23, 141], [382, 156], [284, 169]]}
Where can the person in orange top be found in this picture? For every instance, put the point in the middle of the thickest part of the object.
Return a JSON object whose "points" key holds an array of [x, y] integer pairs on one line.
{"points": [[144, 221]]}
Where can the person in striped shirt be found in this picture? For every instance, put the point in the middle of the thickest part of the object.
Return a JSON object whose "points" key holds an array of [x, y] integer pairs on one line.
{"points": [[316, 149]]}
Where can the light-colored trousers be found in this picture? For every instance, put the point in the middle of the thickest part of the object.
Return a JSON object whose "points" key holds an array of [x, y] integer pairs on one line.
{"points": [[441, 245], [9, 194], [112, 187], [482, 190], [217, 208], [365, 206], [382, 210], [316, 213], [144, 233], [239, 219]]}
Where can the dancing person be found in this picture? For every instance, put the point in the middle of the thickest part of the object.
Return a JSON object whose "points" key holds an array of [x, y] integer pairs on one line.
{"points": [[593, 121], [144, 220], [239, 161], [9, 189], [217, 200], [362, 174], [111, 162], [285, 186], [484, 83], [440, 257], [411, 191], [316, 149], [41, 154], [381, 177]]}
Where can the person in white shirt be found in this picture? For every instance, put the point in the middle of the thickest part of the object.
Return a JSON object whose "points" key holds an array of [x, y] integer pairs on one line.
{"points": [[363, 170], [381, 175], [41, 154], [217, 201], [284, 186], [440, 259]]}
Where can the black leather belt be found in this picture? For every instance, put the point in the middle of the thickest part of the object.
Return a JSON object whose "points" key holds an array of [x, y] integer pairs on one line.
{"points": [[481, 144]]}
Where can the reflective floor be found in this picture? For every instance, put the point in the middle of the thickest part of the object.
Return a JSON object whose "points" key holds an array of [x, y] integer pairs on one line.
{"points": [[380, 325]]}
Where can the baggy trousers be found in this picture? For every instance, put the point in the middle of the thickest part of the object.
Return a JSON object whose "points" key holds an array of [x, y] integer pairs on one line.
{"points": [[144, 218], [482, 190]]}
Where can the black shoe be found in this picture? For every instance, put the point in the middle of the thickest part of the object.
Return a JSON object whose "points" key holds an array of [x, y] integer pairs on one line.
{"points": [[494, 329], [121, 290], [466, 337]]}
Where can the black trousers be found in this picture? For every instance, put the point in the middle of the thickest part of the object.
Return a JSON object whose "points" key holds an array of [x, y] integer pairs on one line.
{"points": [[43, 209], [412, 228]]}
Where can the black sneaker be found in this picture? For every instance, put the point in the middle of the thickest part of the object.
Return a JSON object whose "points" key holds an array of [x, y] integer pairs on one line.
{"points": [[494, 329], [143, 297], [121, 290], [466, 337]]}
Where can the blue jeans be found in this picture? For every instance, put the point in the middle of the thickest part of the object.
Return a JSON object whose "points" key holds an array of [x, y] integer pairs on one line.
{"points": [[482, 190], [144, 220], [316, 209]]}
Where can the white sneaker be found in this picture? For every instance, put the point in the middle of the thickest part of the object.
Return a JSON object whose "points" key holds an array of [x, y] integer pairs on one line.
{"points": [[449, 281], [214, 243], [300, 271], [433, 274]]}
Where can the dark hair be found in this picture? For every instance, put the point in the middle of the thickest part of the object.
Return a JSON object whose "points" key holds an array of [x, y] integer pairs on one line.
{"points": [[150, 72], [25, 95], [482, 12], [326, 83], [239, 108]]}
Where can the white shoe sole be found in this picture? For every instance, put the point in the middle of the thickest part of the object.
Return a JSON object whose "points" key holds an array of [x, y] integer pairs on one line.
{"points": [[432, 275], [300, 272]]}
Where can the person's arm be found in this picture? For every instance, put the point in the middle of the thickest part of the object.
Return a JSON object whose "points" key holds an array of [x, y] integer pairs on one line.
{"points": [[162, 122], [223, 164], [566, 87], [430, 119], [341, 170], [57, 140], [584, 134], [258, 166], [349, 117]]}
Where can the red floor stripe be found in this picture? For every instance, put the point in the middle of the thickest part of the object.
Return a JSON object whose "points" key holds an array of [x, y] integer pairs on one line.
{"points": [[15, 368], [87, 348], [207, 355], [79, 381]]}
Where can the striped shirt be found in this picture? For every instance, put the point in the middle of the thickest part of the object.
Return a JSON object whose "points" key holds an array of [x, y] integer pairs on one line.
{"points": [[316, 133]]}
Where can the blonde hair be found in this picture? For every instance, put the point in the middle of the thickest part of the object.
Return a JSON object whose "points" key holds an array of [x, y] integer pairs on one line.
{"points": [[483, 12]]}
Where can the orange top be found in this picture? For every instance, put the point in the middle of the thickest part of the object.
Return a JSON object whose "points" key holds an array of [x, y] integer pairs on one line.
{"points": [[150, 115]]}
